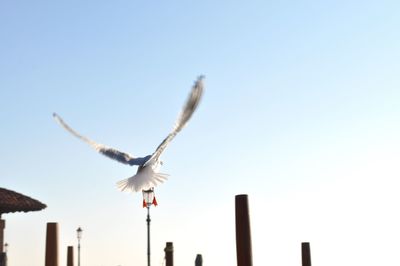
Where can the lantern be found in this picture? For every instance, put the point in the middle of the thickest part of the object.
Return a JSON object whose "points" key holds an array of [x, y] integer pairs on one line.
{"points": [[149, 198], [79, 233]]}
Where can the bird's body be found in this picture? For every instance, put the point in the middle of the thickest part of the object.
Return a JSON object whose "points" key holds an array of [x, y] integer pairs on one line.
{"points": [[147, 175]]}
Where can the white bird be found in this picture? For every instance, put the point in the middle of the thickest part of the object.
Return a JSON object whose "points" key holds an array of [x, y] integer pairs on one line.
{"points": [[147, 175]]}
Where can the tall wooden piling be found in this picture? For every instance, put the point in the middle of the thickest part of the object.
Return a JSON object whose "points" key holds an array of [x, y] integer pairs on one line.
{"points": [[51, 245], [70, 256], [243, 234], [305, 254], [169, 254], [3, 254], [2, 226], [3, 259], [199, 260]]}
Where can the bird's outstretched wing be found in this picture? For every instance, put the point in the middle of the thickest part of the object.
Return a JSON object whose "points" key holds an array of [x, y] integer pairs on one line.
{"points": [[107, 151], [187, 112]]}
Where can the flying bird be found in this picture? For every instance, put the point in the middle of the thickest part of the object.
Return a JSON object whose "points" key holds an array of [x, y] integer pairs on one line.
{"points": [[147, 175]]}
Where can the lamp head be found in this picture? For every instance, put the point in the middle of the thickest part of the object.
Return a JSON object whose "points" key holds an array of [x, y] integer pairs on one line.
{"points": [[79, 233], [148, 197]]}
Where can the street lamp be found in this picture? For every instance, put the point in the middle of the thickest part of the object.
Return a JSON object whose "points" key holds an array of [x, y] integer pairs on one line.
{"points": [[148, 200], [79, 236]]}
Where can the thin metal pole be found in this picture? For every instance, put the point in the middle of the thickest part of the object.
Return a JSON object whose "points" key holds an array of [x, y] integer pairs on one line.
{"points": [[79, 252], [148, 235]]}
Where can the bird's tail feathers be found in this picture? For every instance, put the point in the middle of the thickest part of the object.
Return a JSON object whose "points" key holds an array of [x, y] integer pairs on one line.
{"points": [[139, 182]]}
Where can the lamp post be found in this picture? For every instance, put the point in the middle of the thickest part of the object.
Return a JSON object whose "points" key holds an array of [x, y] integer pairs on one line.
{"points": [[148, 200], [79, 236]]}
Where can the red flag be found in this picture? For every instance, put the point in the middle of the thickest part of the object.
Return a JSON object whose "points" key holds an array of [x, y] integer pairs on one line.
{"points": [[144, 204], [155, 201]]}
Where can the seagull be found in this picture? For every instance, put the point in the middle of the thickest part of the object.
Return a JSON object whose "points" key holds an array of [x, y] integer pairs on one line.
{"points": [[147, 175]]}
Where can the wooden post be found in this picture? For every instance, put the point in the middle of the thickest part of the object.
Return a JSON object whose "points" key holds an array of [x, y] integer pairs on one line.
{"points": [[243, 234], [305, 254], [3, 259], [2, 226], [199, 260], [70, 256], [3, 255], [52, 244], [169, 254]]}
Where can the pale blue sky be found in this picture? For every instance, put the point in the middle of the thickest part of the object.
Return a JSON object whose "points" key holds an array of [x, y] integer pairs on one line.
{"points": [[301, 112]]}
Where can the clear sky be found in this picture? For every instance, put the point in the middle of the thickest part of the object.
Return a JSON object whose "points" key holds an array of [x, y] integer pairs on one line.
{"points": [[301, 112]]}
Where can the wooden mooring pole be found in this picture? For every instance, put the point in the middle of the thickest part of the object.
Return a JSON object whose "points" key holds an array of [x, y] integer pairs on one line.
{"points": [[199, 260], [2, 226], [3, 254], [305, 254], [51, 245], [169, 254], [243, 234], [70, 256]]}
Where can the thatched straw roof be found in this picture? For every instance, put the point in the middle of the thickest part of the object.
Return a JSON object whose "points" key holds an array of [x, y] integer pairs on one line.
{"points": [[11, 201]]}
